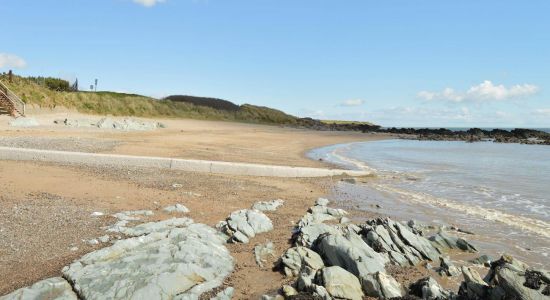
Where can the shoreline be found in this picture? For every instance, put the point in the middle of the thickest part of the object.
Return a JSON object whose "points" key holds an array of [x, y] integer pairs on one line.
{"points": [[378, 195]]}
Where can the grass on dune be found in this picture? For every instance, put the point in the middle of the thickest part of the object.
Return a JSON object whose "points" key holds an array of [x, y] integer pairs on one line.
{"points": [[121, 104]]}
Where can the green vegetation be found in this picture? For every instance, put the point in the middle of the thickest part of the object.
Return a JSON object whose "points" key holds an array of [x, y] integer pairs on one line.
{"points": [[36, 92], [54, 84], [345, 122]]}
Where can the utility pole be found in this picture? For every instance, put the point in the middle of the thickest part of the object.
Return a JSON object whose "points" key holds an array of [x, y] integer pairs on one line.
{"points": [[10, 76], [96, 84]]}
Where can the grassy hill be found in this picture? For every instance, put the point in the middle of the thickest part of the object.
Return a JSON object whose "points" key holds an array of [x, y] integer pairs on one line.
{"points": [[53, 92], [119, 104]]}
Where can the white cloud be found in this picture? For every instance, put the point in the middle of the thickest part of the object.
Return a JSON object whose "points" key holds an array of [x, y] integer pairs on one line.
{"points": [[353, 102], [484, 92], [543, 112], [148, 3], [11, 61]]}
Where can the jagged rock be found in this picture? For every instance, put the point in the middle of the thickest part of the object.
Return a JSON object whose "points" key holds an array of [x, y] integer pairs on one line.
{"points": [[270, 297], [296, 258], [350, 252], [176, 208], [428, 289], [323, 210], [339, 283], [418, 242], [314, 219], [226, 294], [508, 276], [446, 267], [482, 260], [309, 234], [247, 222], [262, 252], [180, 261], [272, 205], [473, 287], [442, 240], [381, 285], [51, 288], [402, 246], [322, 202]]}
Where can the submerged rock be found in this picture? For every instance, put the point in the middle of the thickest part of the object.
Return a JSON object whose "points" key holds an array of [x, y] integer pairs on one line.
{"points": [[51, 288], [272, 205], [183, 262]]}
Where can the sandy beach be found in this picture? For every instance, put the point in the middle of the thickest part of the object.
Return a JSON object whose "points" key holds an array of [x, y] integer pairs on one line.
{"points": [[45, 210]]}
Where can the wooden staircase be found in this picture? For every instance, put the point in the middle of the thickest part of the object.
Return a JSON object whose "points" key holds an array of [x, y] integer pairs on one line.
{"points": [[10, 103]]}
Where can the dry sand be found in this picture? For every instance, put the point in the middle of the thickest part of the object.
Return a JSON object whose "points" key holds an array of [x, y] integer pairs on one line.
{"points": [[45, 209]]}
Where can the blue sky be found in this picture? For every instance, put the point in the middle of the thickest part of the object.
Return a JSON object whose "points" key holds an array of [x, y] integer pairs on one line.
{"points": [[395, 63]]}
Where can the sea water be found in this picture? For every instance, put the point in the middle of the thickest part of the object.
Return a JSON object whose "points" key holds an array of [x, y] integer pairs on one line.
{"points": [[501, 192]]}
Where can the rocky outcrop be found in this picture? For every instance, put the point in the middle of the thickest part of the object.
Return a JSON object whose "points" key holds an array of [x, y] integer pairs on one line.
{"points": [[339, 283], [244, 224], [272, 205], [443, 241], [297, 258], [179, 263], [382, 286], [51, 288], [428, 289], [446, 267], [508, 278], [398, 242]]}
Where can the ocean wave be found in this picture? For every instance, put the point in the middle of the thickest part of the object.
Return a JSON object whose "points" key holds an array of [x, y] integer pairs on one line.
{"points": [[539, 227]]}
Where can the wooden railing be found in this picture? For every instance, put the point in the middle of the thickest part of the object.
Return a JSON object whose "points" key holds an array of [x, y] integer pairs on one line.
{"points": [[18, 104]]}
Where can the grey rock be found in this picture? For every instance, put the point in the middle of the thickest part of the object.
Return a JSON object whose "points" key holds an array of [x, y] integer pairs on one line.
{"points": [[335, 212], [104, 238], [402, 246], [428, 289], [272, 205], [417, 242], [247, 222], [226, 294], [176, 208], [351, 253], [161, 226], [322, 202], [339, 283], [52, 288], [443, 241], [381, 285], [473, 287], [512, 278], [180, 261], [309, 234], [446, 267], [482, 260], [296, 258], [262, 252]]}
